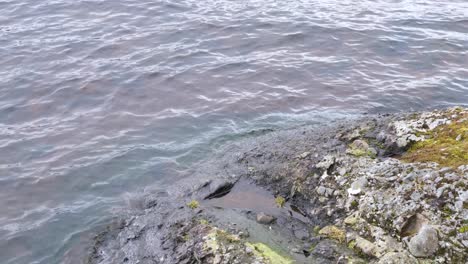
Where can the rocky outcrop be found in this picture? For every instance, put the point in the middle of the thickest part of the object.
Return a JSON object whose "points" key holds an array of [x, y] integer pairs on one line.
{"points": [[384, 189]]}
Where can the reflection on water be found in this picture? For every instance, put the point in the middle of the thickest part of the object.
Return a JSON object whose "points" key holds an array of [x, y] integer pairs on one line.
{"points": [[99, 98]]}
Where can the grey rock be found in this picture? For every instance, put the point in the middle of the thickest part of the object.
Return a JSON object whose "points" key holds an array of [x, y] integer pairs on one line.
{"points": [[321, 190], [301, 234], [397, 258], [304, 155], [326, 162], [368, 247], [265, 219], [358, 186], [425, 243]]}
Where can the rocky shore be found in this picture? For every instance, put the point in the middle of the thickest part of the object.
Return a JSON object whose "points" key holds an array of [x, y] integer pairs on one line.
{"points": [[380, 189]]}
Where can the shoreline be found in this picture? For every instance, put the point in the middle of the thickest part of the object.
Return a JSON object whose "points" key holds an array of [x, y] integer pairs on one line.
{"points": [[357, 191]]}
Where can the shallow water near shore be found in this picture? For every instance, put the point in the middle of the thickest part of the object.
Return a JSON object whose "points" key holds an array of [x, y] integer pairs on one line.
{"points": [[100, 100]]}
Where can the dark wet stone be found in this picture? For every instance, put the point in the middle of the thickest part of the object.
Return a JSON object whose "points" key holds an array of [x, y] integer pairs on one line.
{"points": [[265, 219]]}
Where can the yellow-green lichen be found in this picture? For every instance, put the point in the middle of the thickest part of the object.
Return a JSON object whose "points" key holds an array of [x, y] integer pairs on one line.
{"points": [[218, 237], [446, 145], [203, 221], [194, 204], [263, 251], [280, 201], [352, 244], [333, 232], [360, 148], [463, 229]]}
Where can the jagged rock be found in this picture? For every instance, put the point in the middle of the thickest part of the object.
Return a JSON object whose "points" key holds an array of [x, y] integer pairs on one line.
{"points": [[425, 243], [326, 162]]}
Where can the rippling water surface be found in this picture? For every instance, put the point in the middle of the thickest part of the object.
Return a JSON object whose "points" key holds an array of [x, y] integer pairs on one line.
{"points": [[101, 98]]}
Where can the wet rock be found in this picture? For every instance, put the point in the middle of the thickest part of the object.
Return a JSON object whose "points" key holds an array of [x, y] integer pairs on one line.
{"points": [[265, 219], [328, 252], [301, 234], [425, 243]]}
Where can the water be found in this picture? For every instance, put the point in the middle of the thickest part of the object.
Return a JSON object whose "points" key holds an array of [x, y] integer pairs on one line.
{"points": [[102, 98]]}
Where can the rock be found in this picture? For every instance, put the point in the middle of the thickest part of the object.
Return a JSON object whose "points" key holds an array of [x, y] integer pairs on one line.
{"points": [[326, 162], [265, 219], [321, 190], [425, 243], [413, 225], [397, 258], [301, 234], [361, 148], [357, 186], [367, 247], [351, 220], [333, 232], [342, 171]]}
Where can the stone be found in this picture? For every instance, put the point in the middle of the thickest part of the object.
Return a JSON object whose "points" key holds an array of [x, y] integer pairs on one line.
{"points": [[321, 190], [425, 243], [357, 186], [333, 232], [397, 258], [265, 219], [413, 225], [326, 162], [304, 155], [367, 247], [301, 234], [351, 220]]}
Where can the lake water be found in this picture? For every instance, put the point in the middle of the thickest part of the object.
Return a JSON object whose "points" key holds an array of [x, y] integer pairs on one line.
{"points": [[101, 99]]}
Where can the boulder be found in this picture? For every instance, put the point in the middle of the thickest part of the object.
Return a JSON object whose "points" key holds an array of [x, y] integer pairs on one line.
{"points": [[425, 243]]}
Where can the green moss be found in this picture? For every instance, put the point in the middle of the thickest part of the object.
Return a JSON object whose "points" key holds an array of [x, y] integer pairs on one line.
{"points": [[194, 204], [442, 145], [271, 256], [463, 229], [280, 201], [359, 150], [352, 244]]}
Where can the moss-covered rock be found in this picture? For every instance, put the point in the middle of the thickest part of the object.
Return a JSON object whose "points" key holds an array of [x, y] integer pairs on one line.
{"points": [[333, 232], [446, 144]]}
